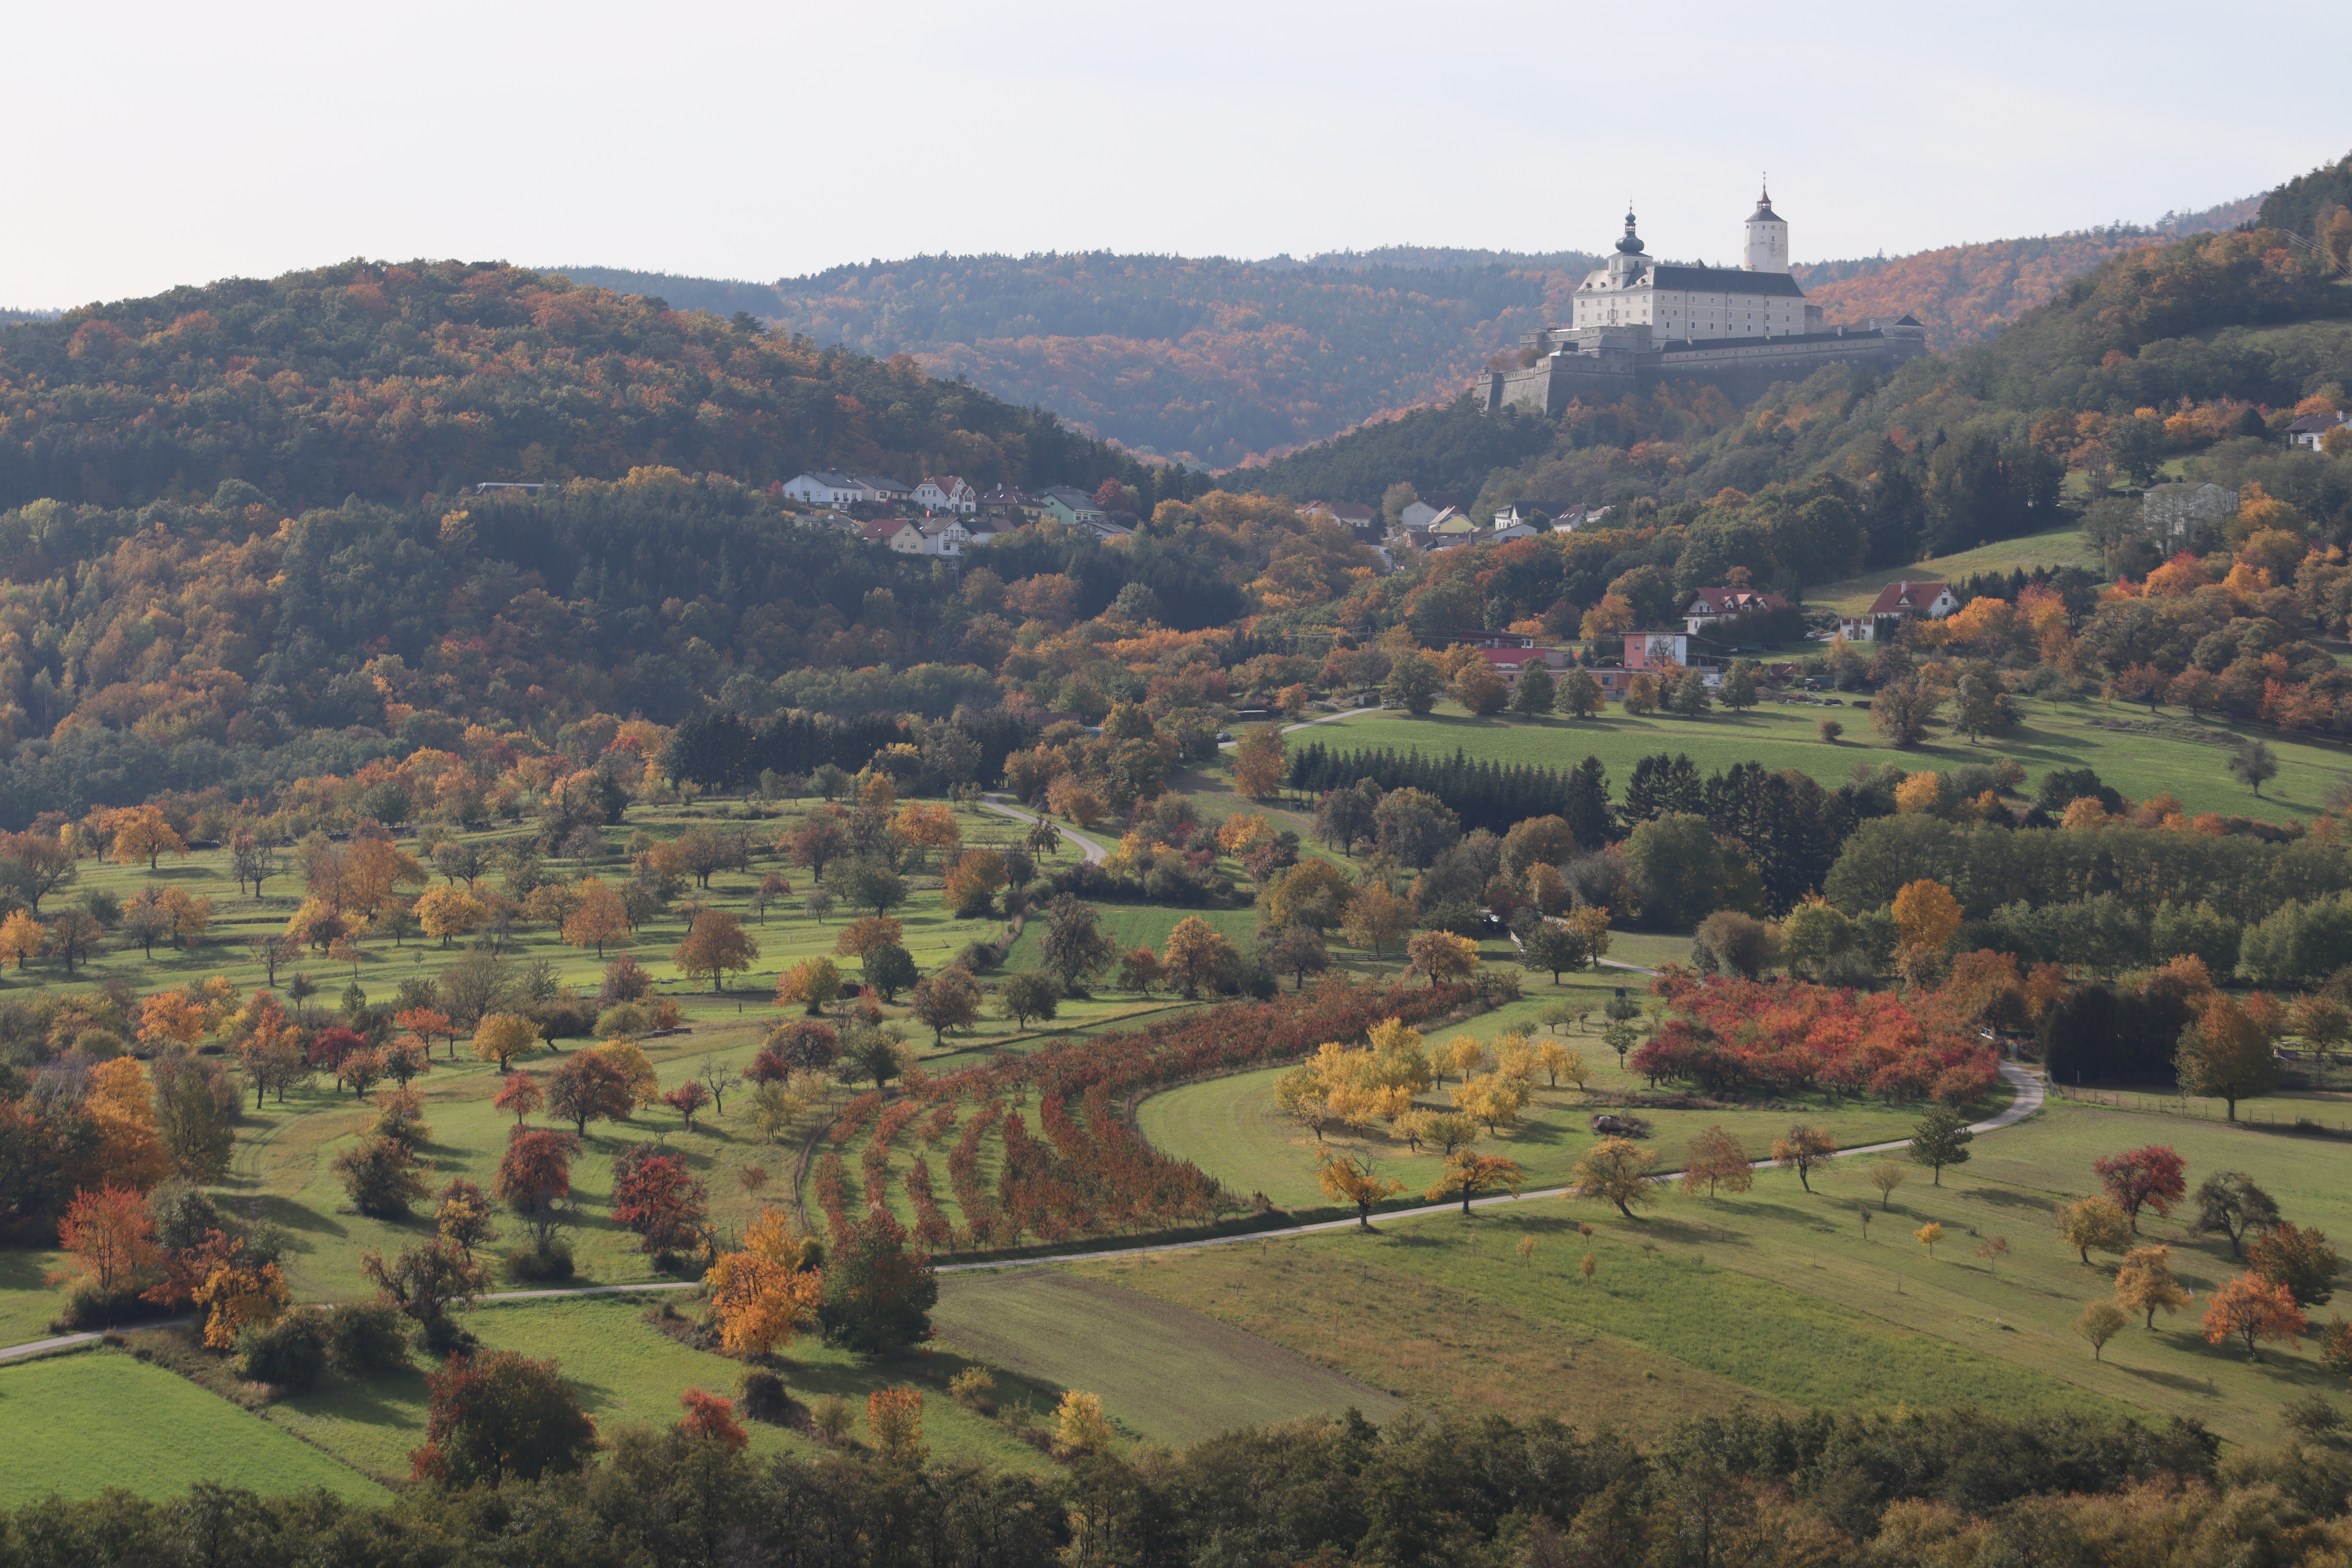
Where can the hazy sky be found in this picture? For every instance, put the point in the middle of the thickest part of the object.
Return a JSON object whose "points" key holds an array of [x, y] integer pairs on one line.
{"points": [[170, 143]]}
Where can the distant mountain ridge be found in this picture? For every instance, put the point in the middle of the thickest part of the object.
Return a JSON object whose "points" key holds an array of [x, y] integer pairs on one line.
{"points": [[1217, 361]]}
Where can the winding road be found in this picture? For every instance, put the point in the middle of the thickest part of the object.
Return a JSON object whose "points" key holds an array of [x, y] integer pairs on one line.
{"points": [[1086, 847], [2030, 1097]]}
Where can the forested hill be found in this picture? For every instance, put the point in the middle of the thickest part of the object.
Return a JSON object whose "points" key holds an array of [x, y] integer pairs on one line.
{"points": [[1212, 361], [1204, 360], [389, 382]]}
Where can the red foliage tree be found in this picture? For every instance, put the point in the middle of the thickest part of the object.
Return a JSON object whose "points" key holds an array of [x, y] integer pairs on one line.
{"points": [[657, 1196], [2153, 1176], [710, 1415]]}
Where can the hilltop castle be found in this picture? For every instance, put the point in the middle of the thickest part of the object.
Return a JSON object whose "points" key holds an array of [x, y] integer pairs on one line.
{"points": [[1640, 322]]}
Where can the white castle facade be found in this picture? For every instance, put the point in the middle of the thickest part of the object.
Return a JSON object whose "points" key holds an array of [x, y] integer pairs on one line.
{"points": [[1638, 323]]}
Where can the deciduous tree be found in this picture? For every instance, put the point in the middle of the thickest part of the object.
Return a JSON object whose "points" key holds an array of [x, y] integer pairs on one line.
{"points": [[2229, 1202], [2098, 1323], [1941, 1138], [1615, 1171], [2145, 1283], [2099, 1224], [1713, 1159], [590, 1087], [948, 999], [1258, 762], [2153, 1177], [1352, 1179], [1442, 956], [502, 1036], [1803, 1150], [1470, 1175], [2298, 1257], [2255, 1311], [878, 1292], [498, 1416]]}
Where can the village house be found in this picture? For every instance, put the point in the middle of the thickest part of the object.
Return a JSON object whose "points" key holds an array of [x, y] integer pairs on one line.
{"points": [[1708, 605], [1429, 508], [1011, 508], [899, 533], [945, 536], [946, 492], [825, 488], [2312, 429], [1899, 601], [887, 491], [1066, 504]]}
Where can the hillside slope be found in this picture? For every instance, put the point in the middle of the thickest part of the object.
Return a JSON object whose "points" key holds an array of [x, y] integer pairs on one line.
{"points": [[388, 380]]}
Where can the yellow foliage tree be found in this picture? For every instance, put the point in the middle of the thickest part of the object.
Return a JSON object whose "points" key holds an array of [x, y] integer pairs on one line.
{"points": [[1442, 956], [1926, 915], [764, 1292], [627, 1055], [1080, 1426], [22, 937], [449, 910], [811, 982], [1259, 763], [502, 1036], [1351, 1179], [129, 1150], [171, 1018]]}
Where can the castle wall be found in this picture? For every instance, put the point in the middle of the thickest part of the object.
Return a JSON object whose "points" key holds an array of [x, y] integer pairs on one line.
{"points": [[1603, 365]]}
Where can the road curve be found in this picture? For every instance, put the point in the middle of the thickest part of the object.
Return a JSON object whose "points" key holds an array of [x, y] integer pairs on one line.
{"points": [[1087, 846], [2030, 1097]]}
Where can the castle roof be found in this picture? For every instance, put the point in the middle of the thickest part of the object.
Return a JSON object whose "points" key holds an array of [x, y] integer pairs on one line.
{"points": [[1725, 281]]}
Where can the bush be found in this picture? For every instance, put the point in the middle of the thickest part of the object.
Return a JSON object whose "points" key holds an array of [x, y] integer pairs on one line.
{"points": [[831, 1417], [1458, 916], [367, 1339], [764, 1398], [1498, 984], [290, 1353], [550, 1264]]}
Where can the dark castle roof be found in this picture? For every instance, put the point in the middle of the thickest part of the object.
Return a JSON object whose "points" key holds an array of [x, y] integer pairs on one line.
{"points": [[1725, 281]]}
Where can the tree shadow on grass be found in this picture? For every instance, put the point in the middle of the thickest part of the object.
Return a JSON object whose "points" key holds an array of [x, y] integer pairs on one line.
{"points": [[2179, 1382], [2004, 1199], [295, 1217]]}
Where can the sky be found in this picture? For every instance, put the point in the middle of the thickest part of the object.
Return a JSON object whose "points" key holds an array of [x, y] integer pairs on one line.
{"points": [[162, 144]]}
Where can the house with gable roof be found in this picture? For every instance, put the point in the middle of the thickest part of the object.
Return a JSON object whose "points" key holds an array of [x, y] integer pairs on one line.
{"points": [[1707, 605], [1900, 600], [946, 492]]}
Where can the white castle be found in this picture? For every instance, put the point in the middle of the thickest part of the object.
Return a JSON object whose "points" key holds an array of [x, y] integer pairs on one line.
{"points": [[1639, 320]]}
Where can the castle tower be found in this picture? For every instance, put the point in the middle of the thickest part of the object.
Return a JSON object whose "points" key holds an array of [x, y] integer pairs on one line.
{"points": [[1629, 263], [1768, 238]]}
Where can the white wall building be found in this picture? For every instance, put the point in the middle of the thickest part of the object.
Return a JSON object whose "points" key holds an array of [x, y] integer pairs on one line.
{"points": [[1701, 304], [946, 492], [825, 488]]}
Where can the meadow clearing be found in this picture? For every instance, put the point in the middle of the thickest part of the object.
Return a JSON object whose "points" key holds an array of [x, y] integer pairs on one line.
{"points": [[2137, 753], [1788, 1298]]}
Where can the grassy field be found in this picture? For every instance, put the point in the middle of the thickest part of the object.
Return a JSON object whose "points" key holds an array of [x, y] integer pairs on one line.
{"points": [[1231, 1128], [2140, 757], [1785, 1296], [2058, 547], [1164, 1372], [74, 1425]]}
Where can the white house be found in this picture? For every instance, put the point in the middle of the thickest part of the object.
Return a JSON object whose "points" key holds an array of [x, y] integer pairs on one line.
{"points": [[1932, 601], [945, 492], [2173, 510], [825, 488], [945, 536], [1708, 605], [1509, 524], [2312, 429]]}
